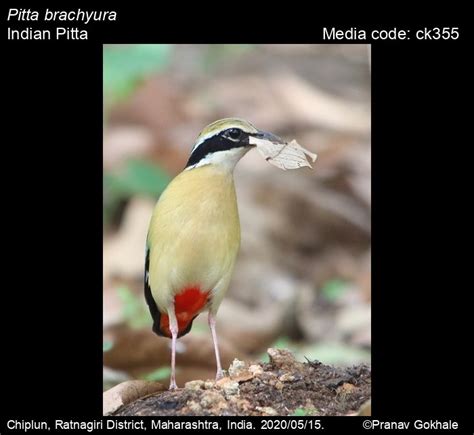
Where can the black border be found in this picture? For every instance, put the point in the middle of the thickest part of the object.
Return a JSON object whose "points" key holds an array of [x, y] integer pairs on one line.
{"points": [[53, 204]]}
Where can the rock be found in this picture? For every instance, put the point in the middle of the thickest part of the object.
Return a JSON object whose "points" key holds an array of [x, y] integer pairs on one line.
{"points": [[210, 399], [194, 385], [236, 367], [242, 404], [231, 388], [243, 376], [286, 377], [256, 369], [268, 378], [228, 386], [209, 385], [266, 410], [239, 372], [194, 406], [345, 389], [281, 358]]}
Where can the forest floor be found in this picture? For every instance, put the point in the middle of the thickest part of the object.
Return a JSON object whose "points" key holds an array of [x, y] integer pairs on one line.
{"points": [[283, 386]]}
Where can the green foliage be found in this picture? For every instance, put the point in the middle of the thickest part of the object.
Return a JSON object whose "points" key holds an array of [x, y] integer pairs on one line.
{"points": [[334, 289], [159, 374], [218, 53], [302, 412], [281, 343], [107, 345], [134, 310], [126, 65], [136, 177]]}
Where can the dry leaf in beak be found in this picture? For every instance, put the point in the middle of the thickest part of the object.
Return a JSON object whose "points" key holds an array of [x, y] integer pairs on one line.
{"points": [[284, 155]]}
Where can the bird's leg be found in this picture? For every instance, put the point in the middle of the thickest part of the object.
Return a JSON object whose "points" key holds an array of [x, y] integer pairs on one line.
{"points": [[173, 325], [212, 326]]}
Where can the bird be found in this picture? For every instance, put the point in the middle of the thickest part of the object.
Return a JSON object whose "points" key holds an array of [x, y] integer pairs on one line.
{"points": [[194, 235]]}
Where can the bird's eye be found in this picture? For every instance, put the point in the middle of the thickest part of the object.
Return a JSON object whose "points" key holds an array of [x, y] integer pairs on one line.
{"points": [[234, 133]]}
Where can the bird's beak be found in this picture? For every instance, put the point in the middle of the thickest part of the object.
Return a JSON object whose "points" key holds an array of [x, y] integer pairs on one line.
{"points": [[268, 136]]}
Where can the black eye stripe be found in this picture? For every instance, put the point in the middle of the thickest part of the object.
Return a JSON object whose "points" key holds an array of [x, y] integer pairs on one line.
{"points": [[222, 141]]}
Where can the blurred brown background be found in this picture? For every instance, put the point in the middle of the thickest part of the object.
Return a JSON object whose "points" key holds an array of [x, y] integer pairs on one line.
{"points": [[302, 280]]}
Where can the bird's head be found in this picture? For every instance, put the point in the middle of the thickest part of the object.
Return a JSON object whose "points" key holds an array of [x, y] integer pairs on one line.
{"points": [[224, 143]]}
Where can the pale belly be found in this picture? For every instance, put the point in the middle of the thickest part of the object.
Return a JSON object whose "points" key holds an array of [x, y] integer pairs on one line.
{"points": [[194, 237]]}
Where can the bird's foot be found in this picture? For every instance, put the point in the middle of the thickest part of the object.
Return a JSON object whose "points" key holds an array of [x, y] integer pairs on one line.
{"points": [[219, 374], [173, 386]]}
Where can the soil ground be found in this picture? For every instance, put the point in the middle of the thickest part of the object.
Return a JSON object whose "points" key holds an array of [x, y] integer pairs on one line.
{"points": [[283, 386]]}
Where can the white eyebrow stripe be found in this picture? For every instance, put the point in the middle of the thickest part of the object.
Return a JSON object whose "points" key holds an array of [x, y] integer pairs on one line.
{"points": [[221, 125]]}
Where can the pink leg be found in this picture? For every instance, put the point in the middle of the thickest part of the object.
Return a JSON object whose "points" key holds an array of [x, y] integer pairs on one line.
{"points": [[174, 336], [212, 326]]}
